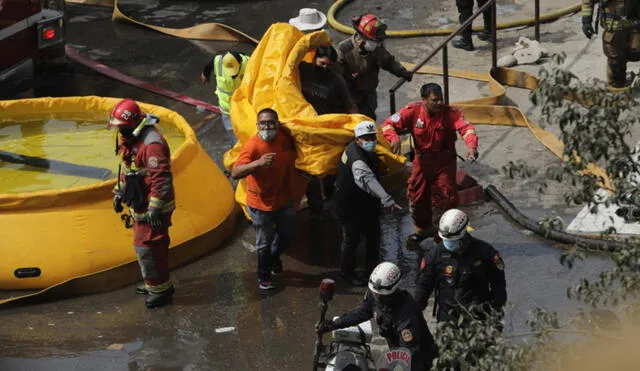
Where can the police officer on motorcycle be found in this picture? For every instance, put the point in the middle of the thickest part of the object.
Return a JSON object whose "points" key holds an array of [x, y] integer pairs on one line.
{"points": [[397, 314], [464, 271]]}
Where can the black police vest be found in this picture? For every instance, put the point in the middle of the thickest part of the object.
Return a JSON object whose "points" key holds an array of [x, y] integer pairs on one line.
{"points": [[348, 194]]}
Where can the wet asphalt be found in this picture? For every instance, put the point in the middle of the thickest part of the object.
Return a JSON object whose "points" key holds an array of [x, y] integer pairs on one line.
{"points": [[219, 320]]}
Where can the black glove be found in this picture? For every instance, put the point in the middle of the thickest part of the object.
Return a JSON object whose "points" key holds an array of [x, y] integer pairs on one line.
{"points": [[407, 75], [117, 203], [154, 218], [325, 326], [587, 29]]}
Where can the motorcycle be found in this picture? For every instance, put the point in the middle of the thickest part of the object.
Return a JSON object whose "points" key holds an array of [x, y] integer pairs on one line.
{"points": [[349, 349]]}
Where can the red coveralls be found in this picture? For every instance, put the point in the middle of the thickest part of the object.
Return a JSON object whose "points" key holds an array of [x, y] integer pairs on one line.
{"points": [[435, 157], [149, 154]]}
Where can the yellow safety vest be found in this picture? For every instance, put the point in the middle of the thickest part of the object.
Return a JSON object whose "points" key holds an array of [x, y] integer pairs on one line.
{"points": [[226, 85]]}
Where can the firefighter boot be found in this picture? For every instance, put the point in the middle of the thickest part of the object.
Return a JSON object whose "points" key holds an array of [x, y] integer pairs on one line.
{"points": [[617, 74], [160, 299], [485, 35], [414, 239]]}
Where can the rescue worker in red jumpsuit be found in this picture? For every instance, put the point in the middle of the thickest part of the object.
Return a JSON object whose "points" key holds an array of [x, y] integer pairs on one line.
{"points": [[146, 186], [433, 126]]}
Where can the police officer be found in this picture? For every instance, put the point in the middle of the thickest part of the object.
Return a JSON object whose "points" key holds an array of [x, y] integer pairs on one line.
{"points": [[463, 270], [359, 199], [395, 311], [620, 20]]}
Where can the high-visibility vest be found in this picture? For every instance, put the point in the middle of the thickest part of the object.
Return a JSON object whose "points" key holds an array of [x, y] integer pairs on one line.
{"points": [[226, 85]]}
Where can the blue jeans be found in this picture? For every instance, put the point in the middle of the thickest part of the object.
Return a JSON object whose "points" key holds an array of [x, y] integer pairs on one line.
{"points": [[274, 234], [226, 121]]}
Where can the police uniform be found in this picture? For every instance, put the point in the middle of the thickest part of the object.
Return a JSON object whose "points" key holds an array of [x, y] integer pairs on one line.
{"points": [[620, 20], [474, 275], [401, 323]]}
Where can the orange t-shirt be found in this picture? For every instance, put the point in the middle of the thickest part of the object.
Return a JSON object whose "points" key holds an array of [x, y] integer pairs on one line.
{"points": [[269, 188]]}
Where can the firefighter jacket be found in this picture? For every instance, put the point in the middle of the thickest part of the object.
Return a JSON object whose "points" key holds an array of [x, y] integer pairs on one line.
{"points": [[361, 71], [401, 323], [616, 14], [358, 183], [472, 276], [146, 175], [226, 85], [431, 135]]}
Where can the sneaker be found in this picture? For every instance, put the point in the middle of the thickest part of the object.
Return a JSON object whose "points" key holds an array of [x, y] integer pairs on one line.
{"points": [[142, 290], [158, 300], [266, 285], [462, 43], [484, 35]]}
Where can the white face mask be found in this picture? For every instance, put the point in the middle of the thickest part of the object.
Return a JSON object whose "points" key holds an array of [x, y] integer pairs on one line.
{"points": [[267, 135], [371, 45]]}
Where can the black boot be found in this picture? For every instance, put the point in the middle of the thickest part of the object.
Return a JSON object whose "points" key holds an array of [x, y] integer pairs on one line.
{"points": [[463, 42], [352, 279], [158, 300], [414, 240], [142, 290], [484, 35]]}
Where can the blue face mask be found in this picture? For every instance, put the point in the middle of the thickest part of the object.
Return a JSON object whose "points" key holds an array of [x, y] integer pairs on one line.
{"points": [[452, 245], [369, 146]]}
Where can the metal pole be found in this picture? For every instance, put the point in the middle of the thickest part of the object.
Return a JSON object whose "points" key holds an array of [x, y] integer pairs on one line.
{"points": [[537, 16], [392, 101], [445, 73], [494, 36]]}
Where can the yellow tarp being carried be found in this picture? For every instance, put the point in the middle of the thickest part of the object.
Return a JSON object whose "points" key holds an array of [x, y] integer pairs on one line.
{"points": [[272, 80]]}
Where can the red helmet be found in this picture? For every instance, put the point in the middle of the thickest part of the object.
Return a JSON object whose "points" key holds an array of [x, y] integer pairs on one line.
{"points": [[370, 27], [126, 112]]}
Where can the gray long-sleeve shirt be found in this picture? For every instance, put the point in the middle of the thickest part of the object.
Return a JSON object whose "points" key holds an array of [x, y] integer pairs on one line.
{"points": [[366, 180]]}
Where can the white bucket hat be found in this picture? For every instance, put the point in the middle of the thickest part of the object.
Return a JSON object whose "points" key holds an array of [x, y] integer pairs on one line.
{"points": [[309, 20]]}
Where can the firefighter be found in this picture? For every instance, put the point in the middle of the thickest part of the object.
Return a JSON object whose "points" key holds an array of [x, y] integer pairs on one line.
{"points": [[463, 270], [145, 185], [397, 314], [620, 20], [360, 58], [433, 126], [229, 70]]}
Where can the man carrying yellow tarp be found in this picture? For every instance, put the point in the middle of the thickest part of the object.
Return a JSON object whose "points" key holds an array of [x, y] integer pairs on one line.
{"points": [[229, 70], [620, 20]]}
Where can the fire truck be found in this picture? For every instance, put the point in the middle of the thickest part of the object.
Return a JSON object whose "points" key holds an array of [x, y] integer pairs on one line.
{"points": [[32, 34]]}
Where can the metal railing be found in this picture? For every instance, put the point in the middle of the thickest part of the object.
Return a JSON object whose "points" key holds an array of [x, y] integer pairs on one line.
{"points": [[445, 54]]}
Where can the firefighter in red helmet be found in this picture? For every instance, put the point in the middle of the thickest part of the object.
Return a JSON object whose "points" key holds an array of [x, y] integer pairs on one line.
{"points": [[145, 185], [360, 58]]}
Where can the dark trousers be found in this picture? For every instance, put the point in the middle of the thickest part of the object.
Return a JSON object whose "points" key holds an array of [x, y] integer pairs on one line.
{"points": [[274, 234], [314, 192], [353, 227], [465, 10]]}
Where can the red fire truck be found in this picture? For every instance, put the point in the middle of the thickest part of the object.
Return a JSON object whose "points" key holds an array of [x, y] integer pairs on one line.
{"points": [[31, 33]]}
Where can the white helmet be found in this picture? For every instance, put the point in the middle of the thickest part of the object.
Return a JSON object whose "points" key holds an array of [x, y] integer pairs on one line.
{"points": [[385, 278], [453, 225]]}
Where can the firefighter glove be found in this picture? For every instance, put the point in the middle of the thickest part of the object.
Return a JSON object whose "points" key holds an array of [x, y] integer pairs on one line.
{"points": [[117, 203], [407, 75], [154, 218], [587, 29]]}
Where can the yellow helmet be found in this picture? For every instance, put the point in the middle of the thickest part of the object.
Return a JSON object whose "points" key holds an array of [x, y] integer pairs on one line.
{"points": [[231, 64]]}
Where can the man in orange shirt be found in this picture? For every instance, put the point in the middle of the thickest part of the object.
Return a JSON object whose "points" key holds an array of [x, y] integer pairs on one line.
{"points": [[267, 161]]}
